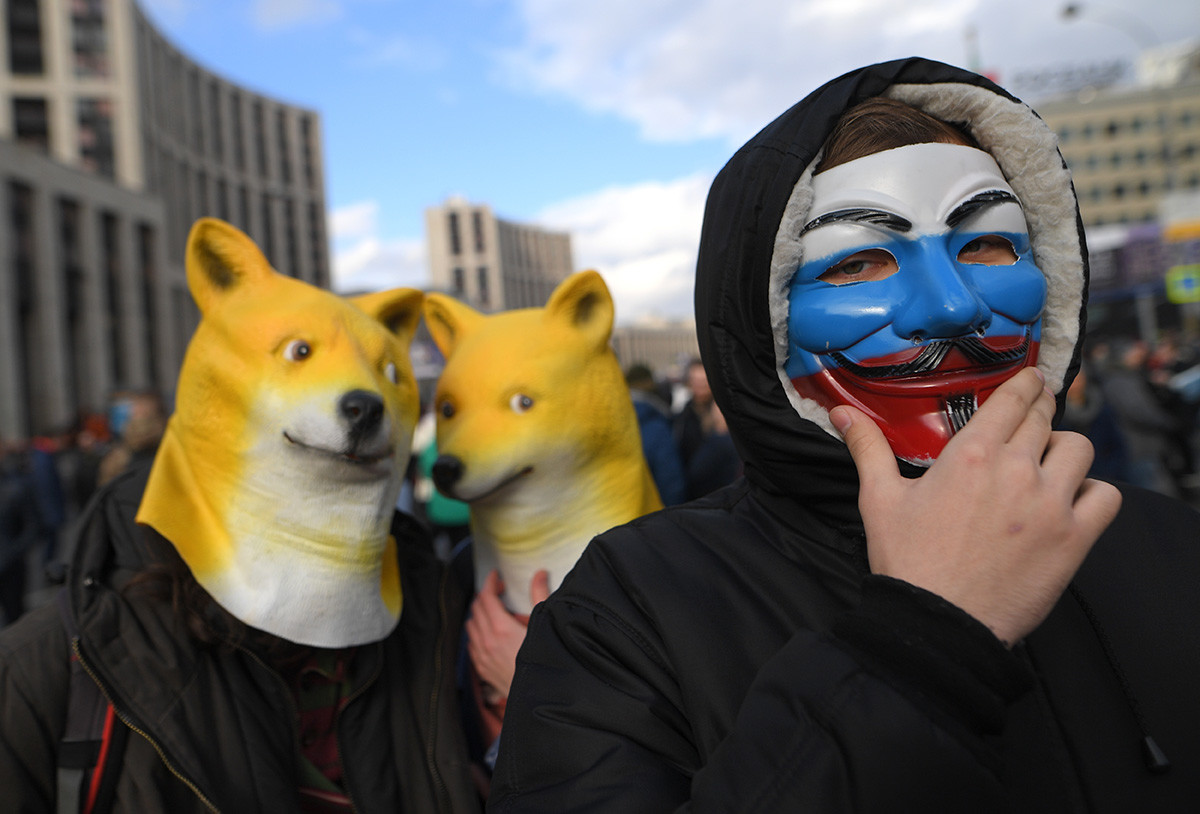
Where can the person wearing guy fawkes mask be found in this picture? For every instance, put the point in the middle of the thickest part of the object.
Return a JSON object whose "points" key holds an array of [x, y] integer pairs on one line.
{"points": [[915, 600]]}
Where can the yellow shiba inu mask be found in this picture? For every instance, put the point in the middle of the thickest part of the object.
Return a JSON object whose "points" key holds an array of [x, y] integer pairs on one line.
{"points": [[278, 473], [536, 431]]}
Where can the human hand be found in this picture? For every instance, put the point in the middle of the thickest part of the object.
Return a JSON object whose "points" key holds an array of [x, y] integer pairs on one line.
{"points": [[1002, 520], [494, 635]]}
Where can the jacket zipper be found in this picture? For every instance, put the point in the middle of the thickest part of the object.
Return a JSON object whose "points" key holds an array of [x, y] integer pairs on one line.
{"points": [[125, 720], [337, 740], [430, 745]]}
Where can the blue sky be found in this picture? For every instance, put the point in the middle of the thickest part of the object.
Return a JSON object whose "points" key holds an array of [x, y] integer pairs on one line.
{"points": [[608, 119]]}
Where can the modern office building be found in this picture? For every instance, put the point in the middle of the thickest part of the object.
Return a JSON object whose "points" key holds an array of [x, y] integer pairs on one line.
{"points": [[112, 142], [1129, 146], [493, 264]]}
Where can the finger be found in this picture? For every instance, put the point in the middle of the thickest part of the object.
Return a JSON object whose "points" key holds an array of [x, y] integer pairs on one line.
{"points": [[1096, 506], [1034, 431], [1000, 416], [873, 456], [539, 586], [488, 606], [492, 583], [1067, 459]]}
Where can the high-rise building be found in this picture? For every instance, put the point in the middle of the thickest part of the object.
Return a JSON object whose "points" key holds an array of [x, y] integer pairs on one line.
{"points": [[493, 264], [112, 142], [1129, 146]]}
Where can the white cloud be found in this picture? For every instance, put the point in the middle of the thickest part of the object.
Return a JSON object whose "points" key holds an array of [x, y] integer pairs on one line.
{"points": [[362, 261], [642, 239], [354, 221], [275, 14], [685, 69]]}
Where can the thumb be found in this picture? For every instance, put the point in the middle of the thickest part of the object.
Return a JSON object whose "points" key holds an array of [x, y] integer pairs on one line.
{"points": [[492, 583], [873, 456], [539, 586]]}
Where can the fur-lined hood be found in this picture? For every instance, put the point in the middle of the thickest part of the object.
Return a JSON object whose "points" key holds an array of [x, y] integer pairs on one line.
{"points": [[750, 248]]}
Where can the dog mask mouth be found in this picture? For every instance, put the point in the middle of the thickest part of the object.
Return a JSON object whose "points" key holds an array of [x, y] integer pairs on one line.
{"points": [[448, 474], [358, 454]]}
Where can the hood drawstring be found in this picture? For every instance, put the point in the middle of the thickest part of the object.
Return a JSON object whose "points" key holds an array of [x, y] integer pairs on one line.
{"points": [[1156, 761]]}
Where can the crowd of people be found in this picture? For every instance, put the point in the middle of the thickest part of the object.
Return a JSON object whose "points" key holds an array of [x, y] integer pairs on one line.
{"points": [[46, 481], [1138, 403], [684, 435]]}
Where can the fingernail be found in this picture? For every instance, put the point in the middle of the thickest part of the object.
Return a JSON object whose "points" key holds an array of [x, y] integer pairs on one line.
{"points": [[1039, 373], [840, 420]]}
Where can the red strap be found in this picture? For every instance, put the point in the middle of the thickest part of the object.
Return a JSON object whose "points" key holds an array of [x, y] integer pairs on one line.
{"points": [[110, 718]]}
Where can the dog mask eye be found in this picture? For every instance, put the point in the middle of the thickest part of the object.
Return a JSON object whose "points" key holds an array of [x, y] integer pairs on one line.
{"points": [[520, 403], [297, 350], [447, 409], [390, 372]]}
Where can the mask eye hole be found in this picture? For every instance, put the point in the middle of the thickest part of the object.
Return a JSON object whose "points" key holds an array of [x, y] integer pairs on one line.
{"points": [[297, 350], [520, 403], [988, 250], [389, 371], [865, 266]]}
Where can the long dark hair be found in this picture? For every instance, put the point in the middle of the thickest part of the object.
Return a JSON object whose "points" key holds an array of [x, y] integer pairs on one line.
{"points": [[168, 579]]}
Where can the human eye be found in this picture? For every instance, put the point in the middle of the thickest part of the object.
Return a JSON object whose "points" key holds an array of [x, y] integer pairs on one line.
{"points": [[988, 250], [864, 266]]}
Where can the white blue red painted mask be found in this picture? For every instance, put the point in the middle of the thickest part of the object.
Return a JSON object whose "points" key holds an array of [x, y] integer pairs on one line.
{"points": [[917, 296]]}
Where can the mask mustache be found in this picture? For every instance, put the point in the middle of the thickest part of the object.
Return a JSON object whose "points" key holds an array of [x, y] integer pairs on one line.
{"points": [[932, 355]]}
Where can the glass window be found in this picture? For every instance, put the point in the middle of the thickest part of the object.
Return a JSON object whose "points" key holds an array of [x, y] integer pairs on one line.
{"points": [[25, 37], [96, 152], [281, 136], [89, 38], [477, 225], [31, 123], [455, 236]]}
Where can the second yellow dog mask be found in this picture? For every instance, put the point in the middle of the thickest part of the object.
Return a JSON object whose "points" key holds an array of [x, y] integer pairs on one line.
{"points": [[278, 473], [536, 431]]}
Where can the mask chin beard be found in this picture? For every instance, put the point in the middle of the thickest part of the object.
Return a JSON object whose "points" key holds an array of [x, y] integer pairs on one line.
{"points": [[921, 401], [959, 410]]}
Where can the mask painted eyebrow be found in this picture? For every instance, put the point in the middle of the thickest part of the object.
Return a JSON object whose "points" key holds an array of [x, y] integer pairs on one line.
{"points": [[973, 204], [877, 217]]}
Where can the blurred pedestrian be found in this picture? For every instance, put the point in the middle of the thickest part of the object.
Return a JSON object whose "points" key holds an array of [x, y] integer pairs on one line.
{"points": [[658, 440], [715, 462], [137, 419], [20, 527], [1146, 424], [1088, 413], [694, 420]]}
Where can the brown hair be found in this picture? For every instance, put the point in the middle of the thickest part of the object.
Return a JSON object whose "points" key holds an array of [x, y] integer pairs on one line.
{"points": [[880, 124]]}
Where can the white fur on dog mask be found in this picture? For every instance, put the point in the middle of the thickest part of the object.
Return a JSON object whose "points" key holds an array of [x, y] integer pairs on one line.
{"points": [[278, 474]]}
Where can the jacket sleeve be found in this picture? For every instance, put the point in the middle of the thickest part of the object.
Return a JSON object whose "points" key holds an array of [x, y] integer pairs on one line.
{"points": [[34, 670], [850, 720]]}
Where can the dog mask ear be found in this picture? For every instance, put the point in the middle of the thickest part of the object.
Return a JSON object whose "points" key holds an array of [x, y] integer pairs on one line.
{"points": [[398, 309], [584, 303], [220, 259], [449, 321]]}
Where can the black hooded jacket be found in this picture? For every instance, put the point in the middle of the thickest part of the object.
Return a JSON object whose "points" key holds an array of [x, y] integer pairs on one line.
{"points": [[735, 653]]}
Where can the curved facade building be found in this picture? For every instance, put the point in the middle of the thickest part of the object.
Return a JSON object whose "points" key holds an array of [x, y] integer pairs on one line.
{"points": [[112, 142]]}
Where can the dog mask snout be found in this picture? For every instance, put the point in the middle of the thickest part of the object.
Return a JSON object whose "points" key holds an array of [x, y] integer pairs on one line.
{"points": [[447, 471], [363, 411]]}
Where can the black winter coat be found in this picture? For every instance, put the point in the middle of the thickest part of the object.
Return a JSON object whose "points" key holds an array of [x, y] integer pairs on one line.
{"points": [[213, 728], [735, 654]]}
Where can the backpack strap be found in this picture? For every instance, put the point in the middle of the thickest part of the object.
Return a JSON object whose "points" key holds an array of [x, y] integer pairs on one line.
{"points": [[89, 756]]}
